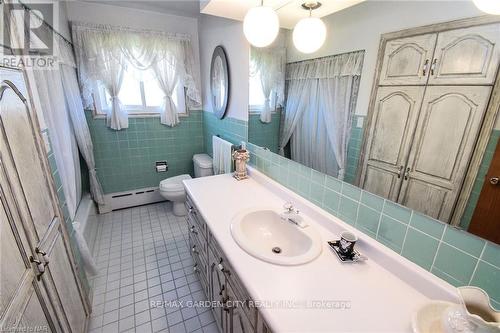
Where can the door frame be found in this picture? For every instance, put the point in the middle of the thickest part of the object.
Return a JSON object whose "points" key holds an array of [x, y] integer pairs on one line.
{"points": [[487, 124]]}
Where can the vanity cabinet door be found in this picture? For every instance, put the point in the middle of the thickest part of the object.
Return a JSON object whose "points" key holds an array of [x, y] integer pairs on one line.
{"points": [[217, 288], [392, 127], [407, 60], [466, 56], [237, 320], [448, 127]]}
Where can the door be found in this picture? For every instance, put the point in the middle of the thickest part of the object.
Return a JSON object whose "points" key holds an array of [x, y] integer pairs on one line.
{"points": [[486, 218], [393, 124], [37, 217], [466, 56], [407, 60], [446, 134]]}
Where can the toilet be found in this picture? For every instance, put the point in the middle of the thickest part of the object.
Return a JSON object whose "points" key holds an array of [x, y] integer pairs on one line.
{"points": [[203, 165], [173, 190]]}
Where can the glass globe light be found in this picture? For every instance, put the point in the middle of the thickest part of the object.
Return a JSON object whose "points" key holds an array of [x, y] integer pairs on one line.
{"points": [[309, 34], [488, 6], [261, 26]]}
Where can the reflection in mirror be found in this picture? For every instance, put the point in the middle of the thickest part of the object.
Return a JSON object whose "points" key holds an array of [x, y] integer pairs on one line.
{"points": [[428, 139], [267, 93]]}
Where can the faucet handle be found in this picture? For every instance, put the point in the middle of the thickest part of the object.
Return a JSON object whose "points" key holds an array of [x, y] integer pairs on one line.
{"points": [[288, 206]]}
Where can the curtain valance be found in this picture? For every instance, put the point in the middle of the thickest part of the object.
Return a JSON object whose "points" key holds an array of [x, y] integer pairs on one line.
{"points": [[347, 64], [103, 49]]}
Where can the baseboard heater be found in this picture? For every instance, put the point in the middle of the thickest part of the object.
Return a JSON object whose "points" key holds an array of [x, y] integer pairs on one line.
{"points": [[132, 198]]}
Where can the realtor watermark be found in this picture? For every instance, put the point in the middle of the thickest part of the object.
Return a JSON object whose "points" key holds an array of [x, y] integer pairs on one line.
{"points": [[28, 37], [22, 328], [269, 304]]}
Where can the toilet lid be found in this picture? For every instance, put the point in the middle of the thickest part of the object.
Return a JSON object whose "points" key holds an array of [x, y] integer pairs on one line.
{"points": [[203, 160], [173, 183]]}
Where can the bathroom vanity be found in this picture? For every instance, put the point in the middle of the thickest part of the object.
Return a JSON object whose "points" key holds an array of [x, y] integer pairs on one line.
{"points": [[323, 294]]}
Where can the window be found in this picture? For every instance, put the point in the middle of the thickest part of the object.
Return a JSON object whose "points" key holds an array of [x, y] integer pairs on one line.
{"points": [[256, 96], [139, 93]]}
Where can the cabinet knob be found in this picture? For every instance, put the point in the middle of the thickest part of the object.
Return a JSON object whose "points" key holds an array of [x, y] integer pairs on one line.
{"points": [[193, 230], [494, 180]]}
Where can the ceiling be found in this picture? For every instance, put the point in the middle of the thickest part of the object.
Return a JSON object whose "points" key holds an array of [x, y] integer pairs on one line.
{"points": [[289, 11], [190, 8]]}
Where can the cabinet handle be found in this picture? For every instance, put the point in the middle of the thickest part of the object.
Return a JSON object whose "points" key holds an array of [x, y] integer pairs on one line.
{"points": [[44, 255], [40, 267], [433, 66], [193, 249], [407, 173], [399, 171], [193, 230], [195, 268], [426, 65], [192, 211]]}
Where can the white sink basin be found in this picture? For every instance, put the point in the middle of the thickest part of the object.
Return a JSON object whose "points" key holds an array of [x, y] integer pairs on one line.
{"points": [[263, 234]]}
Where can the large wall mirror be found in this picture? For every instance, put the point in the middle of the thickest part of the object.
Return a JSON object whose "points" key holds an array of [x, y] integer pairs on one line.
{"points": [[425, 135]]}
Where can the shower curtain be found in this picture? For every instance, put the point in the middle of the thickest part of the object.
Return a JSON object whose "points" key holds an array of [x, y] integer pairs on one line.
{"points": [[321, 99]]}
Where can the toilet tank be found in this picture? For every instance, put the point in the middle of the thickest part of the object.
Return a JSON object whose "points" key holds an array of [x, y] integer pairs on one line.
{"points": [[203, 165]]}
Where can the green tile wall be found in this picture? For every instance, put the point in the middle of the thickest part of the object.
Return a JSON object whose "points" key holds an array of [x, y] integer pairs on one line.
{"points": [[126, 159], [264, 134], [452, 254], [478, 183], [67, 220], [354, 149], [230, 129]]}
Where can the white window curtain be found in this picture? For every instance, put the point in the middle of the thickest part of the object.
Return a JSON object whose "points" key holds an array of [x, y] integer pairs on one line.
{"points": [[103, 53], [321, 99], [270, 64]]}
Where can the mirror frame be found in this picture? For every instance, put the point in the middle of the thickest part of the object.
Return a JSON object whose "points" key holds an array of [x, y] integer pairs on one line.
{"points": [[220, 52]]}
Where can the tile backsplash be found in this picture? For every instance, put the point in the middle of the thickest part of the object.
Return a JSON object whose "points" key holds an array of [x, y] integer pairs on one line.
{"points": [[125, 159], [230, 129], [449, 253], [262, 134]]}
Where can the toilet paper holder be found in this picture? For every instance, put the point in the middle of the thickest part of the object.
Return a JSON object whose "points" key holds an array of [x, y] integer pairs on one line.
{"points": [[161, 166]]}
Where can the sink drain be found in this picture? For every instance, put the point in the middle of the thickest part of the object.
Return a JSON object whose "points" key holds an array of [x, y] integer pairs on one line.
{"points": [[276, 249]]}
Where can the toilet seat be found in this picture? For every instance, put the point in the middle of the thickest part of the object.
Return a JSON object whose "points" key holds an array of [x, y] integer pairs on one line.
{"points": [[173, 184]]}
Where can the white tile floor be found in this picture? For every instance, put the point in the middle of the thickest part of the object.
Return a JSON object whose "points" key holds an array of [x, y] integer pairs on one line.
{"points": [[143, 257]]}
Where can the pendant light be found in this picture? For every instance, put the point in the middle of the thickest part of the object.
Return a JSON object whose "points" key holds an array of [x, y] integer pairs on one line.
{"points": [[488, 6], [309, 33], [261, 25]]}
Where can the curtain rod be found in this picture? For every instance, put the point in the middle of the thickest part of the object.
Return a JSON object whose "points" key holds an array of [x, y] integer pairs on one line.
{"points": [[328, 56], [26, 7]]}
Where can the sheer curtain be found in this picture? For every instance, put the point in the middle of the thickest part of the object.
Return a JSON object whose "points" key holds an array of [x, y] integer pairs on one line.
{"points": [[103, 52], [322, 94], [270, 63]]}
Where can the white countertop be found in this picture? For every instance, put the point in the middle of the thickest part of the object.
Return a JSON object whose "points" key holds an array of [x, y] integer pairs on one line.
{"points": [[382, 292]]}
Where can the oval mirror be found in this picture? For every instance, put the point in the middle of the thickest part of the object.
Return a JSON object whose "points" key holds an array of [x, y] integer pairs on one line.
{"points": [[219, 82]]}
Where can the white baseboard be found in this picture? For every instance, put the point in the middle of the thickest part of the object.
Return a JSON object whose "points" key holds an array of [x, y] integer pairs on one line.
{"points": [[118, 200]]}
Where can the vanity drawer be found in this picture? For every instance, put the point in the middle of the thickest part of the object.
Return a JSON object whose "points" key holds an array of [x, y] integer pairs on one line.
{"points": [[196, 231], [198, 252], [195, 218]]}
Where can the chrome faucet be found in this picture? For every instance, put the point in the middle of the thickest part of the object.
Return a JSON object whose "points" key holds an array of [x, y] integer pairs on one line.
{"points": [[291, 215]]}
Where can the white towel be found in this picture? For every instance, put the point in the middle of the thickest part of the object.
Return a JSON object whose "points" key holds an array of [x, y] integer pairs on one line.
{"points": [[222, 159]]}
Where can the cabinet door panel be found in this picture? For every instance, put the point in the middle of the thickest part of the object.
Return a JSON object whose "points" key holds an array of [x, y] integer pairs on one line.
{"points": [[446, 134], [67, 290], [407, 60], [467, 56], [237, 319], [393, 124]]}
